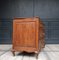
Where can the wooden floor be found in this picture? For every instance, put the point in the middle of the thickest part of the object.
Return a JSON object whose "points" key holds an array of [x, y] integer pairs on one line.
{"points": [[50, 52]]}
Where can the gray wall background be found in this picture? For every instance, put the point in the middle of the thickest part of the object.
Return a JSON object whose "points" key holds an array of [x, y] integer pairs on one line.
{"points": [[47, 10]]}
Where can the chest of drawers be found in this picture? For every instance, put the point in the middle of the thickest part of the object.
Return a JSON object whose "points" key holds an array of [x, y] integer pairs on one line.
{"points": [[28, 35]]}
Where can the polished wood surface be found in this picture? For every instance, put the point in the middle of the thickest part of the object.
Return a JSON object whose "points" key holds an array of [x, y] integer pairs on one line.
{"points": [[28, 35]]}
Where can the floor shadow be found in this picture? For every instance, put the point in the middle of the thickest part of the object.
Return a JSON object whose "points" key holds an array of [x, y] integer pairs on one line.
{"points": [[26, 54]]}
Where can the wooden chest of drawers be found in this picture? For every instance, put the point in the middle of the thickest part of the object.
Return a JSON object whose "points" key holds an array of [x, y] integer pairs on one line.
{"points": [[28, 35]]}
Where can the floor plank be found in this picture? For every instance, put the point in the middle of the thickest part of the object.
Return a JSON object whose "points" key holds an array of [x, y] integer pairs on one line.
{"points": [[7, 56], [2, 52], [19, 58], [32, 58], [5, 47], [25, 57]]}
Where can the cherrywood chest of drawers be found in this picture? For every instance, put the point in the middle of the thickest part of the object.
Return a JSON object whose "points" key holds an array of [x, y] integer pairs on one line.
{"points": [[28, 35]]}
